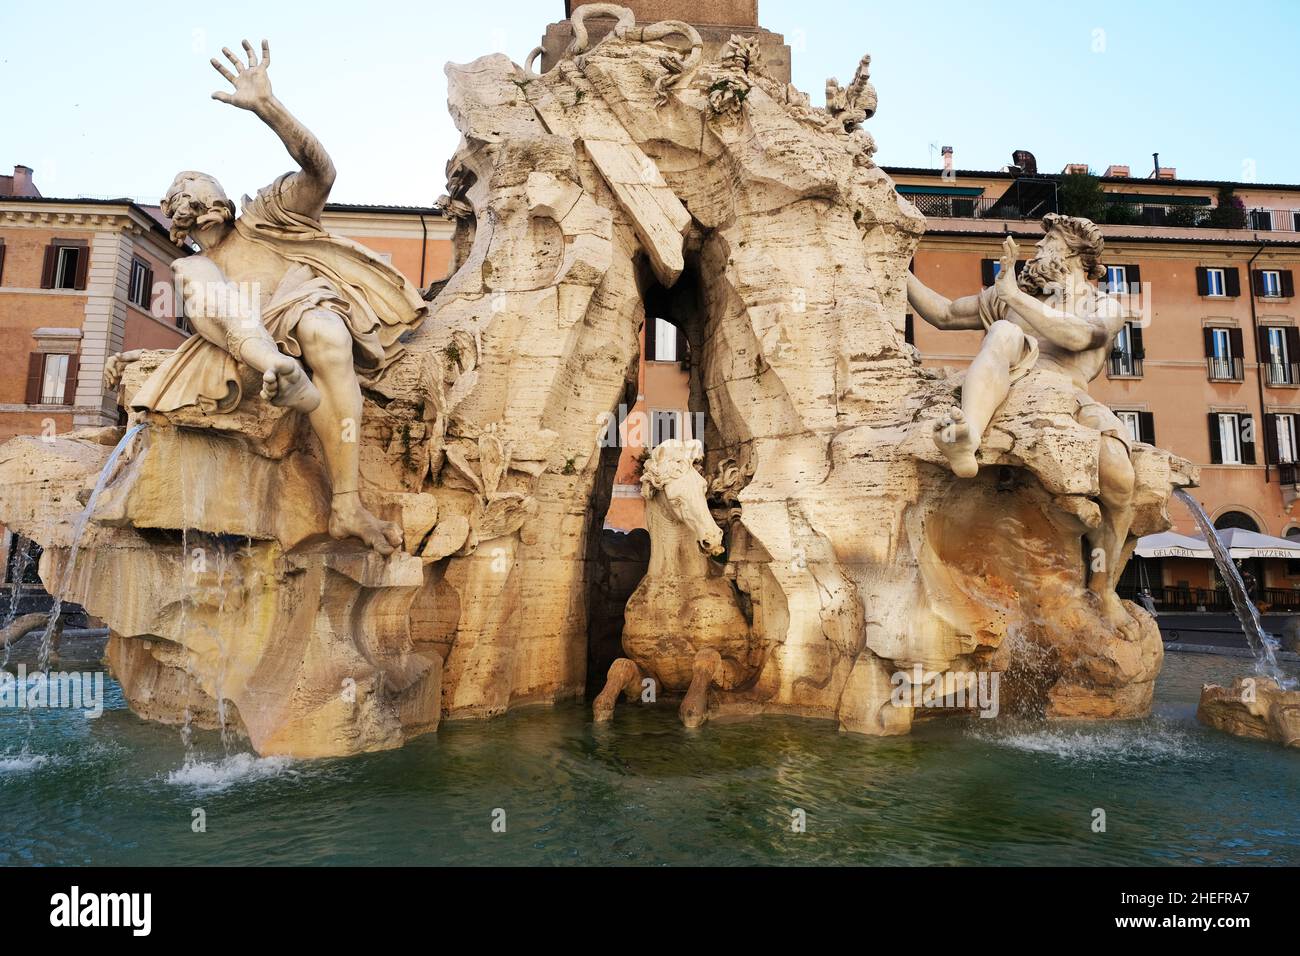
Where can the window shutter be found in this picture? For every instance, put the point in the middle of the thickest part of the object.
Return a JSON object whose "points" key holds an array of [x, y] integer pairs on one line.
{"points": [[83, 267], [1135, 341], [1216, 441], [1293, 345], [650, 325], [2, 260], [1288, 283], [1264, 353], [35, 372], [1238, 349], [1202, 281], [1257, 282], [986, 272], [1147, 427], [47, 270], [1133, 275], [70, 386], [1209, 341], [683, 351], [1244, 423], [148, 290], [1271, 451], [1231, 281]]}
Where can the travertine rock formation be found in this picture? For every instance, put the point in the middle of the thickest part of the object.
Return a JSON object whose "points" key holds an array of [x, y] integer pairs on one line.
{"points": [[1252, 707], [633, 169]]}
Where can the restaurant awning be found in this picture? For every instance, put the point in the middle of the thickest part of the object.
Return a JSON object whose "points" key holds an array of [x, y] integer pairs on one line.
{"points": [[1240, 544], [1252, 544], [1170, 544]]}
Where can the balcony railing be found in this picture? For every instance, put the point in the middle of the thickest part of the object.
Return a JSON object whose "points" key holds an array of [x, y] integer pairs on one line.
{"points": [[1282, 373], [1225, 369], [1117, 213], [1125, 365], [1288, 473], [1213, 599]]}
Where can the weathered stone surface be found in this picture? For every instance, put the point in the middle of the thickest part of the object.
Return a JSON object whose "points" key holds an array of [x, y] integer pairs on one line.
{"points": [[1252, 707], [637, 170]]}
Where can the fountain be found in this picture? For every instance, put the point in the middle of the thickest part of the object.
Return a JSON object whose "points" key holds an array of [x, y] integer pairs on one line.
{"points": [[1267, 706], [425, 553]]}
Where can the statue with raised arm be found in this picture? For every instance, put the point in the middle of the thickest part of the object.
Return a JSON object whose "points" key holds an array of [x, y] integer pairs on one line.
{"points": [[317, 315], [1050, 316]]}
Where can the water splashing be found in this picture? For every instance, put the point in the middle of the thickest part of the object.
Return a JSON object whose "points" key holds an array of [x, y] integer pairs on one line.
{"points": [[22, 562], [1263, 644], [78, 531]]}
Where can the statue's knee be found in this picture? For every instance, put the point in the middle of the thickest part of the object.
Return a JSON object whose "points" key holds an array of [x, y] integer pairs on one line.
{"points": [[325, 336], [1008, 339]]}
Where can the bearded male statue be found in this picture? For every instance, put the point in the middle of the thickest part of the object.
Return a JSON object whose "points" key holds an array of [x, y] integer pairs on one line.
{"points": [[1051, 316], [316, 314]]}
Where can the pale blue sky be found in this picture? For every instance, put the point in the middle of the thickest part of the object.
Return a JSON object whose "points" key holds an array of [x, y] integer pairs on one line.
{"points": [[112, 99]]}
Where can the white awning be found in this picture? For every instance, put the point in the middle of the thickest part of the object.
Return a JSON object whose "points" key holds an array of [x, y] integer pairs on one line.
{"points": [[1252, 544], [1240, 544], [1170, 544]]}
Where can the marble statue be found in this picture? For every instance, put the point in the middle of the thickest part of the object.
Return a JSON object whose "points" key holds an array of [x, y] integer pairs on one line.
{"points": [[684, 630], [1050, 316], [834, 552], [312, 313]]}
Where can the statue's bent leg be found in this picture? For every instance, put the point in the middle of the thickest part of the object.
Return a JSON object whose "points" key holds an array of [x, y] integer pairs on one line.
{"points": [[695, 706], [1117, 481], [219, 313], [623, 676], [985, 388], [327, 347]]}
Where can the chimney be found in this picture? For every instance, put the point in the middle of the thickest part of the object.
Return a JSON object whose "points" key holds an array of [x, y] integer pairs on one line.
{"points": [[1167, 172], [1116, 172], [1076, 169], [947, 159], [23, 185]]}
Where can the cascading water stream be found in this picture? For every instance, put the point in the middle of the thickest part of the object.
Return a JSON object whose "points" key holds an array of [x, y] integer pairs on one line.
{"points": [[78, 531], [22, 561], [1262, 644]]}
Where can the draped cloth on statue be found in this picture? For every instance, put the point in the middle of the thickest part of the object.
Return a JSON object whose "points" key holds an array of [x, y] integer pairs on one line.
{"points": [[373, 299]]}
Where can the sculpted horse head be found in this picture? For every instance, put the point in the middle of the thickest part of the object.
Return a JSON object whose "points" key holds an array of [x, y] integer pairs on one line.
{"points": [[669, 480]]}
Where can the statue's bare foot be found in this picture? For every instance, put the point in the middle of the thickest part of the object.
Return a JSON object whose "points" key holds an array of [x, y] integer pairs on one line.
{"points": [[1115, 614], [287, 385], [350, 519], [952, 434]]}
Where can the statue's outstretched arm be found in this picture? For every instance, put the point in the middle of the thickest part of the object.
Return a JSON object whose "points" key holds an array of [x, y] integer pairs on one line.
{"points": [[939, 310], [306, 191]]}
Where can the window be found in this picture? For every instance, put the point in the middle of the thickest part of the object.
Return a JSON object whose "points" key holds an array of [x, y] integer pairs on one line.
{"points": [[1270, 283], [665, 341], [1139, 426], [1232, 438], [1261, 219], [1127, 353], [1117, 278], [65, 267], [664, 425], [1214, 282], [1229, 439], [1278, 346], [1218, 281], [66, 263], [141, 285], [1286, 435], [1133, 423], [51, 378], [1293, 566], [1223, 352]]}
